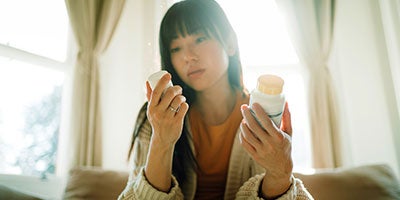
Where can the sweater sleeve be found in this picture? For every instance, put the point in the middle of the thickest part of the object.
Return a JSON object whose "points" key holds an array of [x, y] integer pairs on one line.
{"points": [[250, 190], [138, 187]]}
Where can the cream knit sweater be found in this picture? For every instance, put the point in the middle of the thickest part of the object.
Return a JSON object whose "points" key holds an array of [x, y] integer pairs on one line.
{"points": [[243, 181]]}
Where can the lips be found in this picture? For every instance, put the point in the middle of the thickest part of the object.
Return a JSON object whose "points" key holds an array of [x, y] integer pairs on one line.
{"points": [[195, 73]]}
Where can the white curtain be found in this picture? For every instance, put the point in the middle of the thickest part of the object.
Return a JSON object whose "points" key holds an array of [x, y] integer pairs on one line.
{"points": [[390, 13], [310, 24], [93, 23]]}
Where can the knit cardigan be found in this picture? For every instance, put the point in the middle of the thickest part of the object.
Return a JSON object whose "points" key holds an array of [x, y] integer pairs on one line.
{"points": [[243, 181]]}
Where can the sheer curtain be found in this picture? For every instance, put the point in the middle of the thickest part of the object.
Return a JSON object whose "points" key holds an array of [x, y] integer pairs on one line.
{"points": [[390, 13], [93, 23], [311, 24]]}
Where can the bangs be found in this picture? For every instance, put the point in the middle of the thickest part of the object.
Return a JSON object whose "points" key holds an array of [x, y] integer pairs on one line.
{"points": [[187, 19]]}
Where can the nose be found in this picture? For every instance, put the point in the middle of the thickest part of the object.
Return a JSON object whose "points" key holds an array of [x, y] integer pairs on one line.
{"points": [[189, 54]]}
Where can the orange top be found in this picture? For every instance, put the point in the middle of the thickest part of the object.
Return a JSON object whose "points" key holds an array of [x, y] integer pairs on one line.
{"points": [[213, 146]]}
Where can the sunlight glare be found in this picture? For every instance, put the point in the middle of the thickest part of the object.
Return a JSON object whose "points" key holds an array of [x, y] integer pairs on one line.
{"points": [[261, 31]]}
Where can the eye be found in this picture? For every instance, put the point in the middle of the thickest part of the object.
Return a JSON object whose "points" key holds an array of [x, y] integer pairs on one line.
{"points": [[201, 39], [174, 50]]}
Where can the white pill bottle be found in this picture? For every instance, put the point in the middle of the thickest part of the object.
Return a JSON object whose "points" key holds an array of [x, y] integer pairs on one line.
{"points": [[269, 95], [155, 77]]}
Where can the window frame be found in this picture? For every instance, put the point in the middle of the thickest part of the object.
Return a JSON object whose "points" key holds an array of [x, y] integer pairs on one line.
{"points": [[38, 186]]}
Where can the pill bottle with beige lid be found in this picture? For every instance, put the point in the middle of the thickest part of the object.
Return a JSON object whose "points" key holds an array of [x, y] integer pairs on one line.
{"points": [[269, 95]]}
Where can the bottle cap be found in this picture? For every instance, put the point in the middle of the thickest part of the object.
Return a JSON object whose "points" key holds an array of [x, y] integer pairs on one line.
{"points": [[270, 84], [154, 78]]}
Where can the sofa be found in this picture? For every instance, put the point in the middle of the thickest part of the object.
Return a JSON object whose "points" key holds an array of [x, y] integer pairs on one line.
{"points": [[374, 182]]}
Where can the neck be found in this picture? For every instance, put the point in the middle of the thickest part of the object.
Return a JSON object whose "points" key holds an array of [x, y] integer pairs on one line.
{"points": [[216, 103]]}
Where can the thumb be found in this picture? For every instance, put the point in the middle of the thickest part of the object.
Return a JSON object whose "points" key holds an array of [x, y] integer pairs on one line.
{"points": [[149, 91], [286, 125]]}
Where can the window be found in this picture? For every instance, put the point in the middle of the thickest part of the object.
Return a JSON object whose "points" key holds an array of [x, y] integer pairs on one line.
{"points": [[33, 52], [265, 47]]}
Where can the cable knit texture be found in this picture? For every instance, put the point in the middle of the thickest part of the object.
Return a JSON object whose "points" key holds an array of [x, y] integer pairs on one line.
{"points": [[250, 189], [141, 189], [243, 182]]}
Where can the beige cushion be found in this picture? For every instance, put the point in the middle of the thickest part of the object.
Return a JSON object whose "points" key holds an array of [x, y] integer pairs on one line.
{"points": [[365, 182], [94, 183], [375, 182]]}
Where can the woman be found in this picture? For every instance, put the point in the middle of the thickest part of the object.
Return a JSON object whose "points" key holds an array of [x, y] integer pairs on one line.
{"points": [[190, 141]]}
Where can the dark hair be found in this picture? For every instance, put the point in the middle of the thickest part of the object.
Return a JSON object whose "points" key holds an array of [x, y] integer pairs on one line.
{"points": [[185, 18]]}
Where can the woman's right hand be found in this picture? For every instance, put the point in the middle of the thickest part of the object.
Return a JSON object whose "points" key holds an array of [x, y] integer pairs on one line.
{"points": [[166, 111]]}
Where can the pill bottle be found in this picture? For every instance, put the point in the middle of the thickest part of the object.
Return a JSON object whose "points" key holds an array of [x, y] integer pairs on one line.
{"points": [[155, 77], [269, 95]]}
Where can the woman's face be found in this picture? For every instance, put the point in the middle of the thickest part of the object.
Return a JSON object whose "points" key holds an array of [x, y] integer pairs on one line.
{"points": [[199, 60]]}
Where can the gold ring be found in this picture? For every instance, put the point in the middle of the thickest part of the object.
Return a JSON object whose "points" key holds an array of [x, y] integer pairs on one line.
{"points": [[172, 109]]}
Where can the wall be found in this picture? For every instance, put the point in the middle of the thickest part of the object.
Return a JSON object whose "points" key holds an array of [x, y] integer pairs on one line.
{"points": [[121, 90], [125, 66], [360, 67]]}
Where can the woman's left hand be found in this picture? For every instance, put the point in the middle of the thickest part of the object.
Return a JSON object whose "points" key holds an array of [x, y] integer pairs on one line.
{"points": [[270, 147]]}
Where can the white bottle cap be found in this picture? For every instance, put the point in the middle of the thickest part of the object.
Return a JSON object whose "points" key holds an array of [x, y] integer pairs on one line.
{"points": [[154, 78], [270, 84]]}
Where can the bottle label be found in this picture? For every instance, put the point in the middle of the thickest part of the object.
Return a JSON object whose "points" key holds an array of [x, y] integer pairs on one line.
{"points": [[276, 118], [273, 105], [275, 115]]}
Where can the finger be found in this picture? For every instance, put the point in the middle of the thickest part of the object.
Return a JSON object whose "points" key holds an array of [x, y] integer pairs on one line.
{"points": [[175, 104], [169, 96], [249, 136], [252, 123], [149, 91], [247, 146], [159, 89], [286, 125], [265, 121], [184, 107]]}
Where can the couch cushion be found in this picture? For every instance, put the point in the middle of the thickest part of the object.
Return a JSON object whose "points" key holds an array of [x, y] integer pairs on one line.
{"points": [[365, 182], [94, 183]]}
